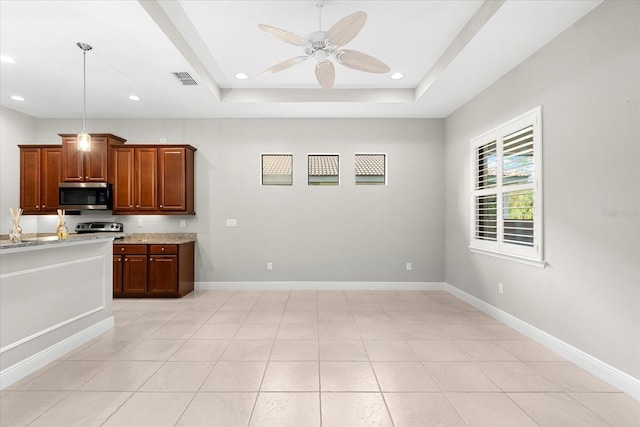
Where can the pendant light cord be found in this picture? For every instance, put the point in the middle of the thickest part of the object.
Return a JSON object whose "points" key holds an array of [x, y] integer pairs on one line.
{"points": [[84, 91], [85, 47], [319, 6]]}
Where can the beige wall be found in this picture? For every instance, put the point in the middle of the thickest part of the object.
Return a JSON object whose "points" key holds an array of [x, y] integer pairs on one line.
{"points": [[588, 83], [347, 233], [15, 128]]}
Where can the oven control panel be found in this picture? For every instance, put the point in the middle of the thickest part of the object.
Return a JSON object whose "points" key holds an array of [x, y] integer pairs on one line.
{"points": [[99, 227]]}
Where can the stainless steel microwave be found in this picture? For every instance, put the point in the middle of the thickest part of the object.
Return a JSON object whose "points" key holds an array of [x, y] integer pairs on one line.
{"points": [[85, 195]]}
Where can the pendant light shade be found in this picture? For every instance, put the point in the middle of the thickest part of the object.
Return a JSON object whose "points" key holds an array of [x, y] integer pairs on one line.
{"points": [[84, 142], [84, 139]]}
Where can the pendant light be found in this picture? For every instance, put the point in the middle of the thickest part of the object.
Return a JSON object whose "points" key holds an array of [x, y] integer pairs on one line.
{"points": [[84, 139]]}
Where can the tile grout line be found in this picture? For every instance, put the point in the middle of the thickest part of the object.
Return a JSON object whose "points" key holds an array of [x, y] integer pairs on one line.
{"points": [[210, 370], [319, 365], [266, 366]]}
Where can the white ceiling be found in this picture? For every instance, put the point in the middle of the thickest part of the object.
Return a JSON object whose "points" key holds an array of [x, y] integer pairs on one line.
{"points": [[448, 50]]}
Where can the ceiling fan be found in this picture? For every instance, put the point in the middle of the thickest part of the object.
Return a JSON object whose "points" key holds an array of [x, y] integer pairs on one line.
{"points": [[322, 45]]}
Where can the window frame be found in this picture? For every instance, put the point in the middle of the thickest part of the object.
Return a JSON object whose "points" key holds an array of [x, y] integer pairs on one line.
{"points": [[329, 184], [386, 169], [262, 183], [533, 255]]}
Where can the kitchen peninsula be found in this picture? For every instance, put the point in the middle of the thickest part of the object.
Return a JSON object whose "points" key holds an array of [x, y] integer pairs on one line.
{"points": [[55, 295]]}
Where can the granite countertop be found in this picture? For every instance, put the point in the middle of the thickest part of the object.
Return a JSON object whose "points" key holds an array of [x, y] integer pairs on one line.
{"points": [[50, 239], [156, 239]]}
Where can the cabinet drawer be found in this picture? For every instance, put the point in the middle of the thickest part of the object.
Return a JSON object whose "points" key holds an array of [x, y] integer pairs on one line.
{"points": [[163, 249], [129, 249]]}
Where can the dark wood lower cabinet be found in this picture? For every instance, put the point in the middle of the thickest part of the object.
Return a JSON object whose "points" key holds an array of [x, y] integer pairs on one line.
{"points": [[134, 275], [117, 274], [153, 270], [163, 274]]}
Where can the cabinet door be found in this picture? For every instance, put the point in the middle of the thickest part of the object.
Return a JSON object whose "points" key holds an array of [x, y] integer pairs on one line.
{"points": [[117, 274], [71, 161], [163, 274], [146, 172], [134, 274], [123, 179], [30, 180], [172, 179], [96, 160], [50, 161]]}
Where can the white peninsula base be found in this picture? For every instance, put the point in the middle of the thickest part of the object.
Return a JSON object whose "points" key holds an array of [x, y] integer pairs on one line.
{"points": [[53, 298]]}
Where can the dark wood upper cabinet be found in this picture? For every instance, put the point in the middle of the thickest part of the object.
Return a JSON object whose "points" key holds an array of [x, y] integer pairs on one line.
{"points": [[176, 179], [90, 166], [146, 178], [152, 179], [134, 178], [123, 179], [39, 178]]}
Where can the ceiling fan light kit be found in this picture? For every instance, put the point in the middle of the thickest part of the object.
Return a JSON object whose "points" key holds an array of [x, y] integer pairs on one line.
{"points": [[323, 45]]}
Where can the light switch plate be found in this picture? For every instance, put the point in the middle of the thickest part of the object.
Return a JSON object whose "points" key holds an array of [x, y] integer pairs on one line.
{"points": [[232, 222]]}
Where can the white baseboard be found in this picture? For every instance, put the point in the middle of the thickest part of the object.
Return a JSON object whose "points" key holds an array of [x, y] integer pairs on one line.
{"points": [[596, 367], [324, 286], [31, 364]]}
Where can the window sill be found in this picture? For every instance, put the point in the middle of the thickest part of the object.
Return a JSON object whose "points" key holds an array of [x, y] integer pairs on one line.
{"points": [[522, 260]]}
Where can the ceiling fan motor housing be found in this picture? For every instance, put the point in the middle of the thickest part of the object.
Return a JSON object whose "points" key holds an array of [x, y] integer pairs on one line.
{"points": [[319, 46]]}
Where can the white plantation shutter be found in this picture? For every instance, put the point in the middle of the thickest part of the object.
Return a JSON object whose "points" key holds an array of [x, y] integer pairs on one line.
{"points": [[506, 203]]}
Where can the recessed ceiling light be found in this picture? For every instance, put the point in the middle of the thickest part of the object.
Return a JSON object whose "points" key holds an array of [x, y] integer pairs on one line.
{"points": [[241, 76], [7, 59], [17, 98], [396, 76], [134, 97]]}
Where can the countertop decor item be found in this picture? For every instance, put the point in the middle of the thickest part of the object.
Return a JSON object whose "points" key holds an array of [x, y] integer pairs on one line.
{"points": [[61, 230], [15, 232]]}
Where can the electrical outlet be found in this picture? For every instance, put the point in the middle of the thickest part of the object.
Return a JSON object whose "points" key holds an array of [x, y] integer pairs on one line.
{"points": [[500, 288], [269, 266], [232, 222], [409, 266], [183, 223], [139, 222]]}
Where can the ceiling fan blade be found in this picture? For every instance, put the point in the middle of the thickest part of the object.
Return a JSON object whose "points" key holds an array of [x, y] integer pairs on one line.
{"points": [[284, 35], [285, 64], [346, 29], [361, 61], [326, 74]]}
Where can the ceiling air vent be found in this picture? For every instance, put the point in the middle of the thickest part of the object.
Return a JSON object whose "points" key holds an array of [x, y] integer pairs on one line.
{"points": [[185, 78]]}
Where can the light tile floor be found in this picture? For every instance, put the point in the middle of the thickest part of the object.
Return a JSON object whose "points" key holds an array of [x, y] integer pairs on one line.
{"points": [[305, 359]]}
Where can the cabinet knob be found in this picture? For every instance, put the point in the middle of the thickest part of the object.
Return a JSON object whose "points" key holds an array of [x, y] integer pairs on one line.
{"points": [[122, 249], [162, 249], [130, 206], [160, 205], [126, 259], [86, 177], [150, 259], [43, 206], [137, 206]]}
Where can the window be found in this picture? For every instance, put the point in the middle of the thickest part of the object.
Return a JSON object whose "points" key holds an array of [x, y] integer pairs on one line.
{"points": [[277, 169], [370, 169], [324, 169], [506, 203]]}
